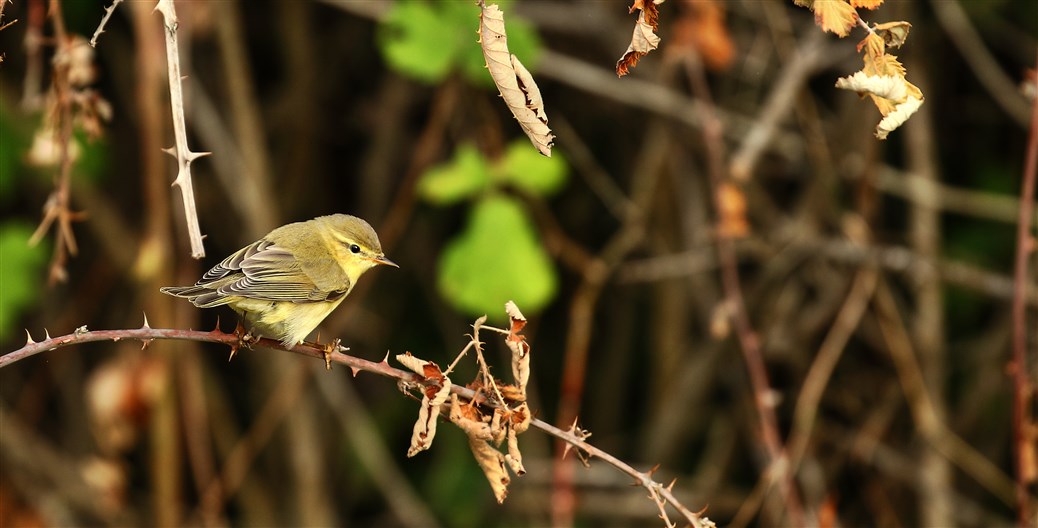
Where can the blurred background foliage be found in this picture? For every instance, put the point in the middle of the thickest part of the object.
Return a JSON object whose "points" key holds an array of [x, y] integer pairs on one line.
{"points": [[385, 110]]}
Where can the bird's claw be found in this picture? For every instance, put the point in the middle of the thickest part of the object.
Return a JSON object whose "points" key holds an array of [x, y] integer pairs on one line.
{"points": [[328, 349], [245, 339]]}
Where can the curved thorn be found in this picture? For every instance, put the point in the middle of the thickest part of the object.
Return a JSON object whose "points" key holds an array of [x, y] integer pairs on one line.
{"points": [[46, 334], [28, 338]]}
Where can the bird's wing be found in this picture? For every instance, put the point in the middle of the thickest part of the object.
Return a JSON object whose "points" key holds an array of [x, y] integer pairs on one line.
{"points": [[264, 270]]}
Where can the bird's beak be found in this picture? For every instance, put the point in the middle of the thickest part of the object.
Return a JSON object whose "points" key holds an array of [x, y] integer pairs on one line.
{"points": [[384, 261]]}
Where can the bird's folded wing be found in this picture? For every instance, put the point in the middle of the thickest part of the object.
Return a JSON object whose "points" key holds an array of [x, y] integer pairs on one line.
{"points": [[263, 270]]}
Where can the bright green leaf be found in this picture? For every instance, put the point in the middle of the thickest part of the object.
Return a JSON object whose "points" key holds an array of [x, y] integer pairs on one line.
{"points": [[420, 40], [497, 258], [463, 176], [20, 272], [525, 168]]}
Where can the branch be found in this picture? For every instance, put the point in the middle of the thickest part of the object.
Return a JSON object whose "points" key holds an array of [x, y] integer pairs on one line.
{"points": [[1023, 390], [146, 334], [104, 20], [180, 150], [749, 341]]}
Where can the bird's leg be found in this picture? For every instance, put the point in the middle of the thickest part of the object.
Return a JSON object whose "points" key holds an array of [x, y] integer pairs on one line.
{"points": [[328, 349], [245, 339]]}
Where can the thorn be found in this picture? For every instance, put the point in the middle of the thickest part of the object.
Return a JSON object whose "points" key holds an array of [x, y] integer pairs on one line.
{"points": [[192, 156], [670, 487], [217, 329], [46, 335], [385, 360], [28, 338], [172, 151], [650, 472], [146, 322], [565, 450], [145, 343], [355, 371]]}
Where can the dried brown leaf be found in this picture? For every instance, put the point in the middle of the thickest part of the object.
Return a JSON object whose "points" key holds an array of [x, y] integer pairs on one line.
{"points": [[702, 28], [732, 213], [514, 458], [469, 420], [644, 38], [492, 462], [894, 34], [425, 427], [520, 349], [835, 16], [867, 4], [513, 80]]}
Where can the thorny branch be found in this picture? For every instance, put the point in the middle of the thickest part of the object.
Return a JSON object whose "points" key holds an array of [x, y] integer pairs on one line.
{"points": [[575, 437], [180, 150], [57, 211], [1024, 432], [104, 20]]}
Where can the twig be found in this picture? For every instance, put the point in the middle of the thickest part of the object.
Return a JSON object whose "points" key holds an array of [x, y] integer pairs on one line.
{"points": [[927, 422], [577, 439], [104, 20], [892, 258], [779, 104], [749, 341], [956, 24], [180, 150], [1024, 432], [57, 210], [828, 356], [146, 335]]}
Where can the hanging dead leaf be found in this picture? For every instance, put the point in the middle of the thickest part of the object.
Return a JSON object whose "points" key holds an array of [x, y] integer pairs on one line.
{"points": [[867, 4], [894, 33], [835, 16], [732, 214], [886, 86], [513, 80], [514, 458], [492, 462], [895, 119], [519, 347], [644, 38], [701, 28], [433, 397], [882, 78]]}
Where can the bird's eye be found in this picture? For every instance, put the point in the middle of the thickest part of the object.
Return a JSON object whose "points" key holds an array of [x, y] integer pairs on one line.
{"points": [[354, 248]]}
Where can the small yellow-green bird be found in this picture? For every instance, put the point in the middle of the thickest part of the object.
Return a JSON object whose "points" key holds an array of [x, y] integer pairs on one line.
{"points": [[287, 282]]}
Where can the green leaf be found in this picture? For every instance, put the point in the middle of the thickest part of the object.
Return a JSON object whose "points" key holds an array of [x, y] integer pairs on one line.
{"points": [[497, 258], [420, 40], [427, 40], [15, 141], [465, 175], [525, 168], [20, 268]]}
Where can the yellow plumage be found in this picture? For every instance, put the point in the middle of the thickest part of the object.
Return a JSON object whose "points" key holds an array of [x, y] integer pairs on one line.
{"points": [[287, 282]]}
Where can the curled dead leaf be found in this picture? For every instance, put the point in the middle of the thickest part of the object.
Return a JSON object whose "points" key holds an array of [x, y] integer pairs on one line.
{"points": [[492, 462], [513, 80], [644, 38], [425, 427], [894, 34]]}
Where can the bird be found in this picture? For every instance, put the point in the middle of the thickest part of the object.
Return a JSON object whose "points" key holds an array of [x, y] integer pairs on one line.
{"points": [[286, 283]]}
